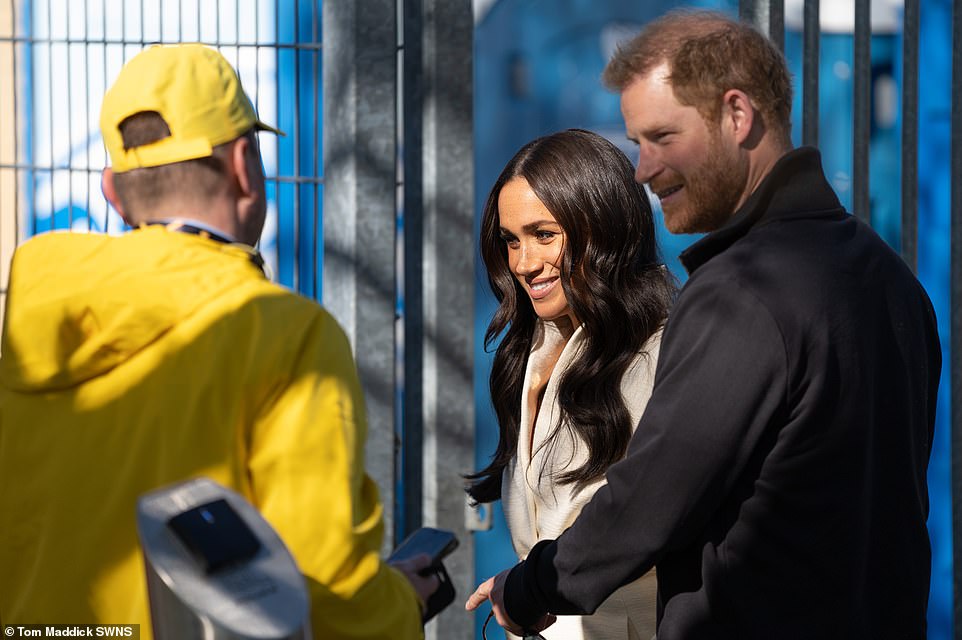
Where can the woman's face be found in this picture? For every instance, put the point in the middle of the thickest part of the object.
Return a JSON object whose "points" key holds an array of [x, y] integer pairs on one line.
{"points": [[535, 244]]}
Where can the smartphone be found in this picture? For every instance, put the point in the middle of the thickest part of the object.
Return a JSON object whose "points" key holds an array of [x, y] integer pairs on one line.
{"points": [[436, 543]]}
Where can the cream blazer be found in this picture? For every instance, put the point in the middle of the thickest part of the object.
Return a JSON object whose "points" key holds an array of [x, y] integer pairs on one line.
{"points": [[536, 508]]}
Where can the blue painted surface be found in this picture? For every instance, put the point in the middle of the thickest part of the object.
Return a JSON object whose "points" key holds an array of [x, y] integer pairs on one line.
{"points": [[537, 68], [299, 236], [934, 217]]}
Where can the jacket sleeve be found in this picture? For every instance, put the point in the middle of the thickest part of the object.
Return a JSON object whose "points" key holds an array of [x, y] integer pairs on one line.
{"points": [[306, 466], [720, 382]]}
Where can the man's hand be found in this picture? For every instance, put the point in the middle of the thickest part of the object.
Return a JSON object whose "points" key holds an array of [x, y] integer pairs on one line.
{"points": [[423, 585], [493, 589]]}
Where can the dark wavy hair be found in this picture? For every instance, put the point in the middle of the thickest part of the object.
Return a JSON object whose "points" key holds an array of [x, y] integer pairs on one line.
{"points": [[613, 278]]}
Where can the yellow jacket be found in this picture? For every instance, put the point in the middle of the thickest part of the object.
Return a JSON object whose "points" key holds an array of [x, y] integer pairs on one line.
{"points": [[133, 362]]}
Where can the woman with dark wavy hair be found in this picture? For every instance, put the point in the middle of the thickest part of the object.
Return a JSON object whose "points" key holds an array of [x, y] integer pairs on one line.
{"points": [[568, 241]]}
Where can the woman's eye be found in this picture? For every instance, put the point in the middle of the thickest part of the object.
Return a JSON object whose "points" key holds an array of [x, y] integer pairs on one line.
{"points": [[544, 236], [511, 241]]}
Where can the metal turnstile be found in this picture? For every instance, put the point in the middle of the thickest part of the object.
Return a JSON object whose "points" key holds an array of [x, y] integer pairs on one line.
{"points": [[216, 570]]}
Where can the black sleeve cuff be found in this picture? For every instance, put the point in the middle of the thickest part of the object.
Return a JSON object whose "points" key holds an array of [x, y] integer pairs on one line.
{"points": [[521, 591]]}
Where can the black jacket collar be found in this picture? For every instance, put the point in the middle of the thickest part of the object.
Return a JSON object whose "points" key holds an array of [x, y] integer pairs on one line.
{"points": [[795, 186]]}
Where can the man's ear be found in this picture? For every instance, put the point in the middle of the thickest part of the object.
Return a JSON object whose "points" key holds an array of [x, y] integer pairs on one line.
{"points": [[241, 160], [244, 159], [110, 192], [738, 114]]}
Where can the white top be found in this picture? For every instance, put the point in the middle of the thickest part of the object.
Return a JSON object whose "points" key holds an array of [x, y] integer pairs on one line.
{"points": [[536, 508]]}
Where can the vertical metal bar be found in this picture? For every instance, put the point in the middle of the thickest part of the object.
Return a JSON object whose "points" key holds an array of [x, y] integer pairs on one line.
{"points": [[956, 313], [768, 16], [16, 122], [30, 143], [52, 129], [16, 127], [296, 140], [862, 104], [70, 101], [237, 48], [754, 12], [447, 273], [316, 240], [277, 146], [257, 81], [9, 132], [87, 118], [360, 84], [103, 19], [411, 468], [776, 23], [910, 133], [810, 74], [257, 56]]}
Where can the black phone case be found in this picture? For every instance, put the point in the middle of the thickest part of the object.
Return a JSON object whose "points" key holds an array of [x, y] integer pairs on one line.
{"points": [[440, 598], [436, 543]]}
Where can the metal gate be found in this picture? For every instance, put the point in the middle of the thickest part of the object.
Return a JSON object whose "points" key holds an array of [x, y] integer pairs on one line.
{"points": [[58, 59], [369, 196], [769, 16]]}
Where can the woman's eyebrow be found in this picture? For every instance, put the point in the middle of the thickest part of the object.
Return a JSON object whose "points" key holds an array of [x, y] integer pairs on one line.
{"points": [[534, 226]]}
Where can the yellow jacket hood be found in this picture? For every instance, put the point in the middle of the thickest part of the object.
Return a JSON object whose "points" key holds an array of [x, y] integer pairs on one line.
{"points": [[56, 338]]}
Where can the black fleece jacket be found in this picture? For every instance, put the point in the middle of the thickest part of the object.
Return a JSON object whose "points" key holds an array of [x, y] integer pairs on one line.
{"points": [[778, 476]]}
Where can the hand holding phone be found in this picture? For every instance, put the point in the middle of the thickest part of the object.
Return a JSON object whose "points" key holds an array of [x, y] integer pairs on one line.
{"points": [[436, 544]]}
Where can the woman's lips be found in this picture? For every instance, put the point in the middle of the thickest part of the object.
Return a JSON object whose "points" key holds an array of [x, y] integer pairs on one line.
{"points": [[539, 290]]}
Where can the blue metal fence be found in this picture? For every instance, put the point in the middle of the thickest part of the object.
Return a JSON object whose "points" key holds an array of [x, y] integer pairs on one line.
{"points": [[67, 54]]}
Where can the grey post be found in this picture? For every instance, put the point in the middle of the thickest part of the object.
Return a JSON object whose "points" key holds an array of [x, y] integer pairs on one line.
{"points": [[447, 285], [360, 149], [810, 36], [360, 86], [910, 133], [862, 106], [768, 16]]}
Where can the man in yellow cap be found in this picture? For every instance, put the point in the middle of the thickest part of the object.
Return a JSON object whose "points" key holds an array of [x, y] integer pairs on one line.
{"points": [[133, 362]]}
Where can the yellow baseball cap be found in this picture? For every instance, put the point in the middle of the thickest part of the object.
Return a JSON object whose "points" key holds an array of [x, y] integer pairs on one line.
{"points": [[193, 88]]}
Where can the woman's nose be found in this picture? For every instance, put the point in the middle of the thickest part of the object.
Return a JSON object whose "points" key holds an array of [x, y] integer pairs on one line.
{"points": [[528, 261]]}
